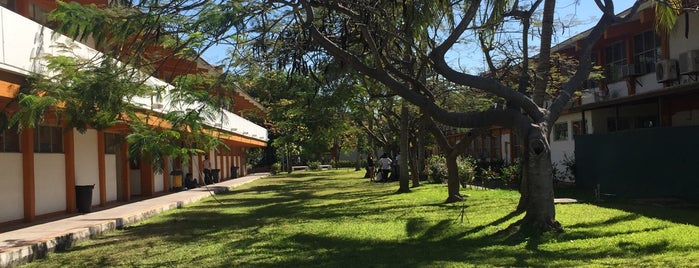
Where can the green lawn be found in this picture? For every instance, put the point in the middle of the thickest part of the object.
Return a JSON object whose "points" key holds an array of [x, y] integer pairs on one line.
{"points": [[336, 219]]}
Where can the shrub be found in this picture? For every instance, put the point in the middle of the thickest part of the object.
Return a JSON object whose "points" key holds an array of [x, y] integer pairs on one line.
{"points": [[276, 168], [511, 173], [467, 170], [314, 165], [436, 168]]}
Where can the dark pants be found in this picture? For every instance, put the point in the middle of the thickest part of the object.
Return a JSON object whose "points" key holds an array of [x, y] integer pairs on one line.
{"points": [[207, 176], [384, 174]]}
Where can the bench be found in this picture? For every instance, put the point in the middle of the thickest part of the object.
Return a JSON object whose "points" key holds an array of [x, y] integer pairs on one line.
{"points": [[299, 168]]}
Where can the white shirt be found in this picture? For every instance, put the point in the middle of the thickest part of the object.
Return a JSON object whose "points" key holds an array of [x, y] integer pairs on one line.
{"points": [[385, 163]]}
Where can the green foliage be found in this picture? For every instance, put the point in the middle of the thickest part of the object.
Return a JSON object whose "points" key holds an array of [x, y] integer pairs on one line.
{"points": [[436, 168], [276, 168], [334, 219], [314, 165], [467, 169], [89, 93]]}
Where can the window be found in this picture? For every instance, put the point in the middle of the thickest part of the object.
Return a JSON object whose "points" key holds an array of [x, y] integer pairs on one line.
{"points": [[560, 131], [646, 51], [614, 57], [48, 139], [111, 143], [38, 13], [9, 4], [9, 140]]}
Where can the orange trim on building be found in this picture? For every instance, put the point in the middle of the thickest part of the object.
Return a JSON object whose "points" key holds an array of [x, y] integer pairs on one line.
{"points": [[125, 170], [101, 168], [147, 179], [28, 185], [69, 151]]}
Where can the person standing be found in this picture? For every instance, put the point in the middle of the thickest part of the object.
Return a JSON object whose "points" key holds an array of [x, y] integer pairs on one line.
{"points": [[385, 165], [395, 176], [370, 170], [206, 166]]}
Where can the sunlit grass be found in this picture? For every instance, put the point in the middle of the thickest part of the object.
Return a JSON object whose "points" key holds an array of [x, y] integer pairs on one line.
{"points": [[336, 219]]}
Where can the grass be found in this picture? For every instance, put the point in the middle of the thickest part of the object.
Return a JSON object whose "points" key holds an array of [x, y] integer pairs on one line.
{"points": [[335, 219]]}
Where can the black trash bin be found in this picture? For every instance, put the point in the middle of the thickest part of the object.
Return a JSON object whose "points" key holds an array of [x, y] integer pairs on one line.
{"points": [[234, 172], [214, 174], [83, 197]]}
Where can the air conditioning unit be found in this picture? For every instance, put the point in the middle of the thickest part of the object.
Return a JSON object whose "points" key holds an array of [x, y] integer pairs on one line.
{"points": [[689, 62], [156, 105], [666, 70]]}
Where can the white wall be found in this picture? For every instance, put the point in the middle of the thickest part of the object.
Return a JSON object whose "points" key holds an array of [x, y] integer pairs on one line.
{"points": [[159, 187], [561, 148], [505, 143], [110, 167], [86, 164], [49, 182], [11, 192]]}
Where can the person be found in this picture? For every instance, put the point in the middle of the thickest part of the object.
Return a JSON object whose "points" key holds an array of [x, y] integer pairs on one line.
{"points": [[395, 176], [189, 181], [206, 166], [385, 165], [370, 172]]}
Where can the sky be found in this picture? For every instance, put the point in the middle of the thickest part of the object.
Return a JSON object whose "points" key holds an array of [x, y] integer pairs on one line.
{"points": [[585, 13]]}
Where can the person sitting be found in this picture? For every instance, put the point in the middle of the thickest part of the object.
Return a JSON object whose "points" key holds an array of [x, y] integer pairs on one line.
{"points": [[190, 182]]}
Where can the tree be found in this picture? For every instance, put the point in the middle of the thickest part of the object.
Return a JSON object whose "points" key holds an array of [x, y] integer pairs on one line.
{"points": [[380, 36], [396, 44]]}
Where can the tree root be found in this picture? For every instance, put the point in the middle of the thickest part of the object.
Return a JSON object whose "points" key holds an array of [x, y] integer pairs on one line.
{"points": [[454, 198]]}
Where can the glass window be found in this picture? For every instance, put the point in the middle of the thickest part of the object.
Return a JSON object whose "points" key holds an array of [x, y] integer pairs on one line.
{"points": [[560, 131], [614, 57], [646, 51], [111, 143], [9, 140], [38, 13], [48, 139], [9, 4]]}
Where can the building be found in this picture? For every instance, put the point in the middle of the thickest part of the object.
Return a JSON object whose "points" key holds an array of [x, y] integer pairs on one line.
{"points": [[634, 133], [41, 167]]}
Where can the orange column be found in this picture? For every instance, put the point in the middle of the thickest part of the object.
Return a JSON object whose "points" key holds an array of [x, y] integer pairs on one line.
{"points": [[69, 148], [125, 171], [101, 168], [166, 174], [28, 184], [147, 180]]}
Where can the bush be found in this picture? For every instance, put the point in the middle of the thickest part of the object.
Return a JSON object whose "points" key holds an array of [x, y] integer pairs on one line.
{"points": [[436, 168], [276, 168], [467, 170], [314, 165]]}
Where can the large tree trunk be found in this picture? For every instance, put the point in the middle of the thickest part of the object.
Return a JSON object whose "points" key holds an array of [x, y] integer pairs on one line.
{"points": [[453, 183], [404, 180], [541, 212]]}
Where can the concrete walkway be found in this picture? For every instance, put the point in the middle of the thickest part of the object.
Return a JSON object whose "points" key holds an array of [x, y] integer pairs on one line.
{"points": [[26, 244]]}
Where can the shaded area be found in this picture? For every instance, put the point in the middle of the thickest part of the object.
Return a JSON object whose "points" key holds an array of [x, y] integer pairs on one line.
{"points": [[244, 231]]}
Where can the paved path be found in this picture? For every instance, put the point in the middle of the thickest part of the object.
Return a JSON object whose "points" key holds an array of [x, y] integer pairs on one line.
{"points": [[26, 244]]}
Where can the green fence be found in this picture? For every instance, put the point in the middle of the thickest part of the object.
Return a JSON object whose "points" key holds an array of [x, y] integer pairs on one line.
{"points": [[653, 162]]}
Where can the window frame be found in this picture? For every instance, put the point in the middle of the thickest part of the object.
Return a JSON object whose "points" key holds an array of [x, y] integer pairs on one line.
{"points": [[612, 63], [10, 132], [645, 54], [560, 133], [50, 136]]}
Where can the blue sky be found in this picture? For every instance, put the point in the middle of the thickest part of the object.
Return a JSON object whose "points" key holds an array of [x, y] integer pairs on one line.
{"points": [[585, 13]]}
